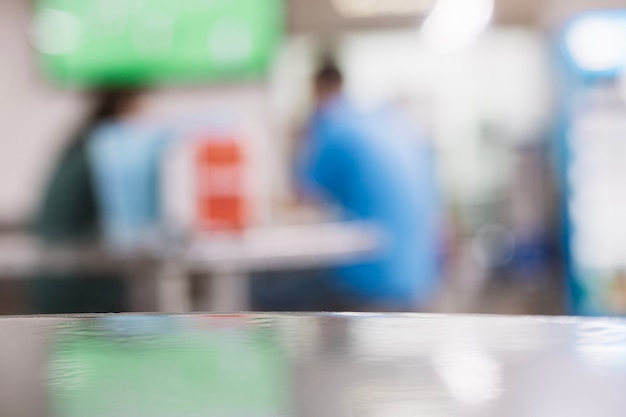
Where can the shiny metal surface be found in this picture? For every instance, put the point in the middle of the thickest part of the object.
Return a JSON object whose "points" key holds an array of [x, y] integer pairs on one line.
{"points": [[312, 365]]}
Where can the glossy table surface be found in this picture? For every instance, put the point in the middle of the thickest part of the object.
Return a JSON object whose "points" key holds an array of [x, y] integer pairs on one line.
{"points": [[270, 365]]}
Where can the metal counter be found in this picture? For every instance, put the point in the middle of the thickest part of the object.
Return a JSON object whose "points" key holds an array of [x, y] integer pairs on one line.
{"points": [[274, 365]]}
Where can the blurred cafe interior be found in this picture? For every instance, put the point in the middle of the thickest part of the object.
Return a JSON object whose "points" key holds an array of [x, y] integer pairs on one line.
{"points": [[455, 156]]}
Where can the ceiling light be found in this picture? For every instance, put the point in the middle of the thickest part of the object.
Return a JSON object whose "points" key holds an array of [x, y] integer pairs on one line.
{"points": [[455, 24], [597, 43], [380, 8]]}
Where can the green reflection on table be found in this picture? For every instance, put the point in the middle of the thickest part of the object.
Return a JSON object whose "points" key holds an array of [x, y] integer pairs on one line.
{"points": [[154, 367]]}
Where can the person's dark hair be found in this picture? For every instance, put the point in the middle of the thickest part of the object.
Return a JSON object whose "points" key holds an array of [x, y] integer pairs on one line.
{"points": [[109, 104], [328, 75]]}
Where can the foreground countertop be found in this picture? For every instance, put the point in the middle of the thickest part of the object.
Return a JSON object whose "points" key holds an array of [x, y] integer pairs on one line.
{"points": [[271, 365]]}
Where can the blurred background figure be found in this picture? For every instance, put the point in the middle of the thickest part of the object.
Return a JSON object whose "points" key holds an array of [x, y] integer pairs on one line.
{"points": [[69, 214], [374, 166]]}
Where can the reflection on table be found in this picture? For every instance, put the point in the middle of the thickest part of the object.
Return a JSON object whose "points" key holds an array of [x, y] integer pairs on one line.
{"points": [[312, 365]]}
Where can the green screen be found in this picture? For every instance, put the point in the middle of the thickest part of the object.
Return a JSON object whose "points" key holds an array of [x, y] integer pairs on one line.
{"points": [[126, 42]]}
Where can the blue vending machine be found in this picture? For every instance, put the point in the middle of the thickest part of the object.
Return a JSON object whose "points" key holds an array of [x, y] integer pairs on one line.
{"points": [[592, 150]]}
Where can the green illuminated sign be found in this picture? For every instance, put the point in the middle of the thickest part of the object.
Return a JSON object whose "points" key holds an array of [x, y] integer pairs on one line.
{"points": [[93, 42]]}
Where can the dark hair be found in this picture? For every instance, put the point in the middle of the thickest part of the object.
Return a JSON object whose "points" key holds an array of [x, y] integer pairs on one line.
{"points": [[108, 105], [328, 75]]}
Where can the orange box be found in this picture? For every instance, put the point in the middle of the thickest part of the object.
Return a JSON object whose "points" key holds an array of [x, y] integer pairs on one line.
{"points": [[220, 169]]}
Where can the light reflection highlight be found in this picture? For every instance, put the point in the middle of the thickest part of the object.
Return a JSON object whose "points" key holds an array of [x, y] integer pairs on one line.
{"points": [[472, 376], [57, 32]]}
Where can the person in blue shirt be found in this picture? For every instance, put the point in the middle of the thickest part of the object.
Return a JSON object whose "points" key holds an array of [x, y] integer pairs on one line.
{"points": [[377, 169]]}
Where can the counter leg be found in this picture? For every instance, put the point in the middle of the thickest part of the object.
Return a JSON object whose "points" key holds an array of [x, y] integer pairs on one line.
{"points": [[174, 293], [228, 291]]}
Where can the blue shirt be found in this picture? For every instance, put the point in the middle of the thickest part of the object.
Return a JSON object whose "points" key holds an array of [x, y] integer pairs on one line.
{"points": [[373, 165], [125, 159]]}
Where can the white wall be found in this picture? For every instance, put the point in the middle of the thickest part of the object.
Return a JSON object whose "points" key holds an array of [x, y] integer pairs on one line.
{"points": [[35, 119]]}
